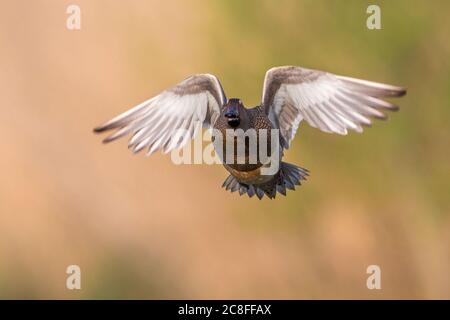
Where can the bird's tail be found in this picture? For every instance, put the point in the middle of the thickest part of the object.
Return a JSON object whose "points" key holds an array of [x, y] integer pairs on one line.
{"points": [[289, 176]]}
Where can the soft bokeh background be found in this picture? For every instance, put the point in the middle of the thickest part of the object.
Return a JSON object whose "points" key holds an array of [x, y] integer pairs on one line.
{"points": [[144, 228]]}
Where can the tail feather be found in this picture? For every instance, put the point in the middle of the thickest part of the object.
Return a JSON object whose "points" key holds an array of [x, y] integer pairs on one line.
{"points": [[289, 176], [251, 191], [281, 189]]}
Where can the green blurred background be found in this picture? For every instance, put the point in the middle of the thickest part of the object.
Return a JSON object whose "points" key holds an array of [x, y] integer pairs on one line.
{"points": [[144, 228]]}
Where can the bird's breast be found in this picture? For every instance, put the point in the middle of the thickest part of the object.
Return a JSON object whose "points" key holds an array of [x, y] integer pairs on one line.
{"points": [[249, 177]]}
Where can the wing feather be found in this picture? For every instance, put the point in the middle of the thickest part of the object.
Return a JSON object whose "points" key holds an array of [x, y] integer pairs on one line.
{"points": [[156, 123], [329, 102]]}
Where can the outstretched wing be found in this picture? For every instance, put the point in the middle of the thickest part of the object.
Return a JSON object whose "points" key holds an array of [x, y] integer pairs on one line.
{"points": [[156, 123], [326, 101]]}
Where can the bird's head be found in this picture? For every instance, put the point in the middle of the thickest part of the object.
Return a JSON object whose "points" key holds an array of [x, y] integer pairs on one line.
{"points": [[235, 113]]}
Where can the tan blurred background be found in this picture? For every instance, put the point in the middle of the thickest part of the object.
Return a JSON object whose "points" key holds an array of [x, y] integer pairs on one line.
{"points": [[144, 228]]}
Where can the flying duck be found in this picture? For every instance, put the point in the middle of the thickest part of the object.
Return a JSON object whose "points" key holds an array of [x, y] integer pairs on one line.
{"points": [[329, 102]]}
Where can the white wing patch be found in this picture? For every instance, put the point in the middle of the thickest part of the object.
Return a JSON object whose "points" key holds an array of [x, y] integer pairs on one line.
{"points": [[331, 103], [156, 123]]}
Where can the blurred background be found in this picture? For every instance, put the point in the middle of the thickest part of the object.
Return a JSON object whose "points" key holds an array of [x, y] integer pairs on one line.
{"points": [[145, 228]]}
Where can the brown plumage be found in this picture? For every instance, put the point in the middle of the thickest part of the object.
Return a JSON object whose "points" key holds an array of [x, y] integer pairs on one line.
{"points": [[331, 103], [248, 173]]}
